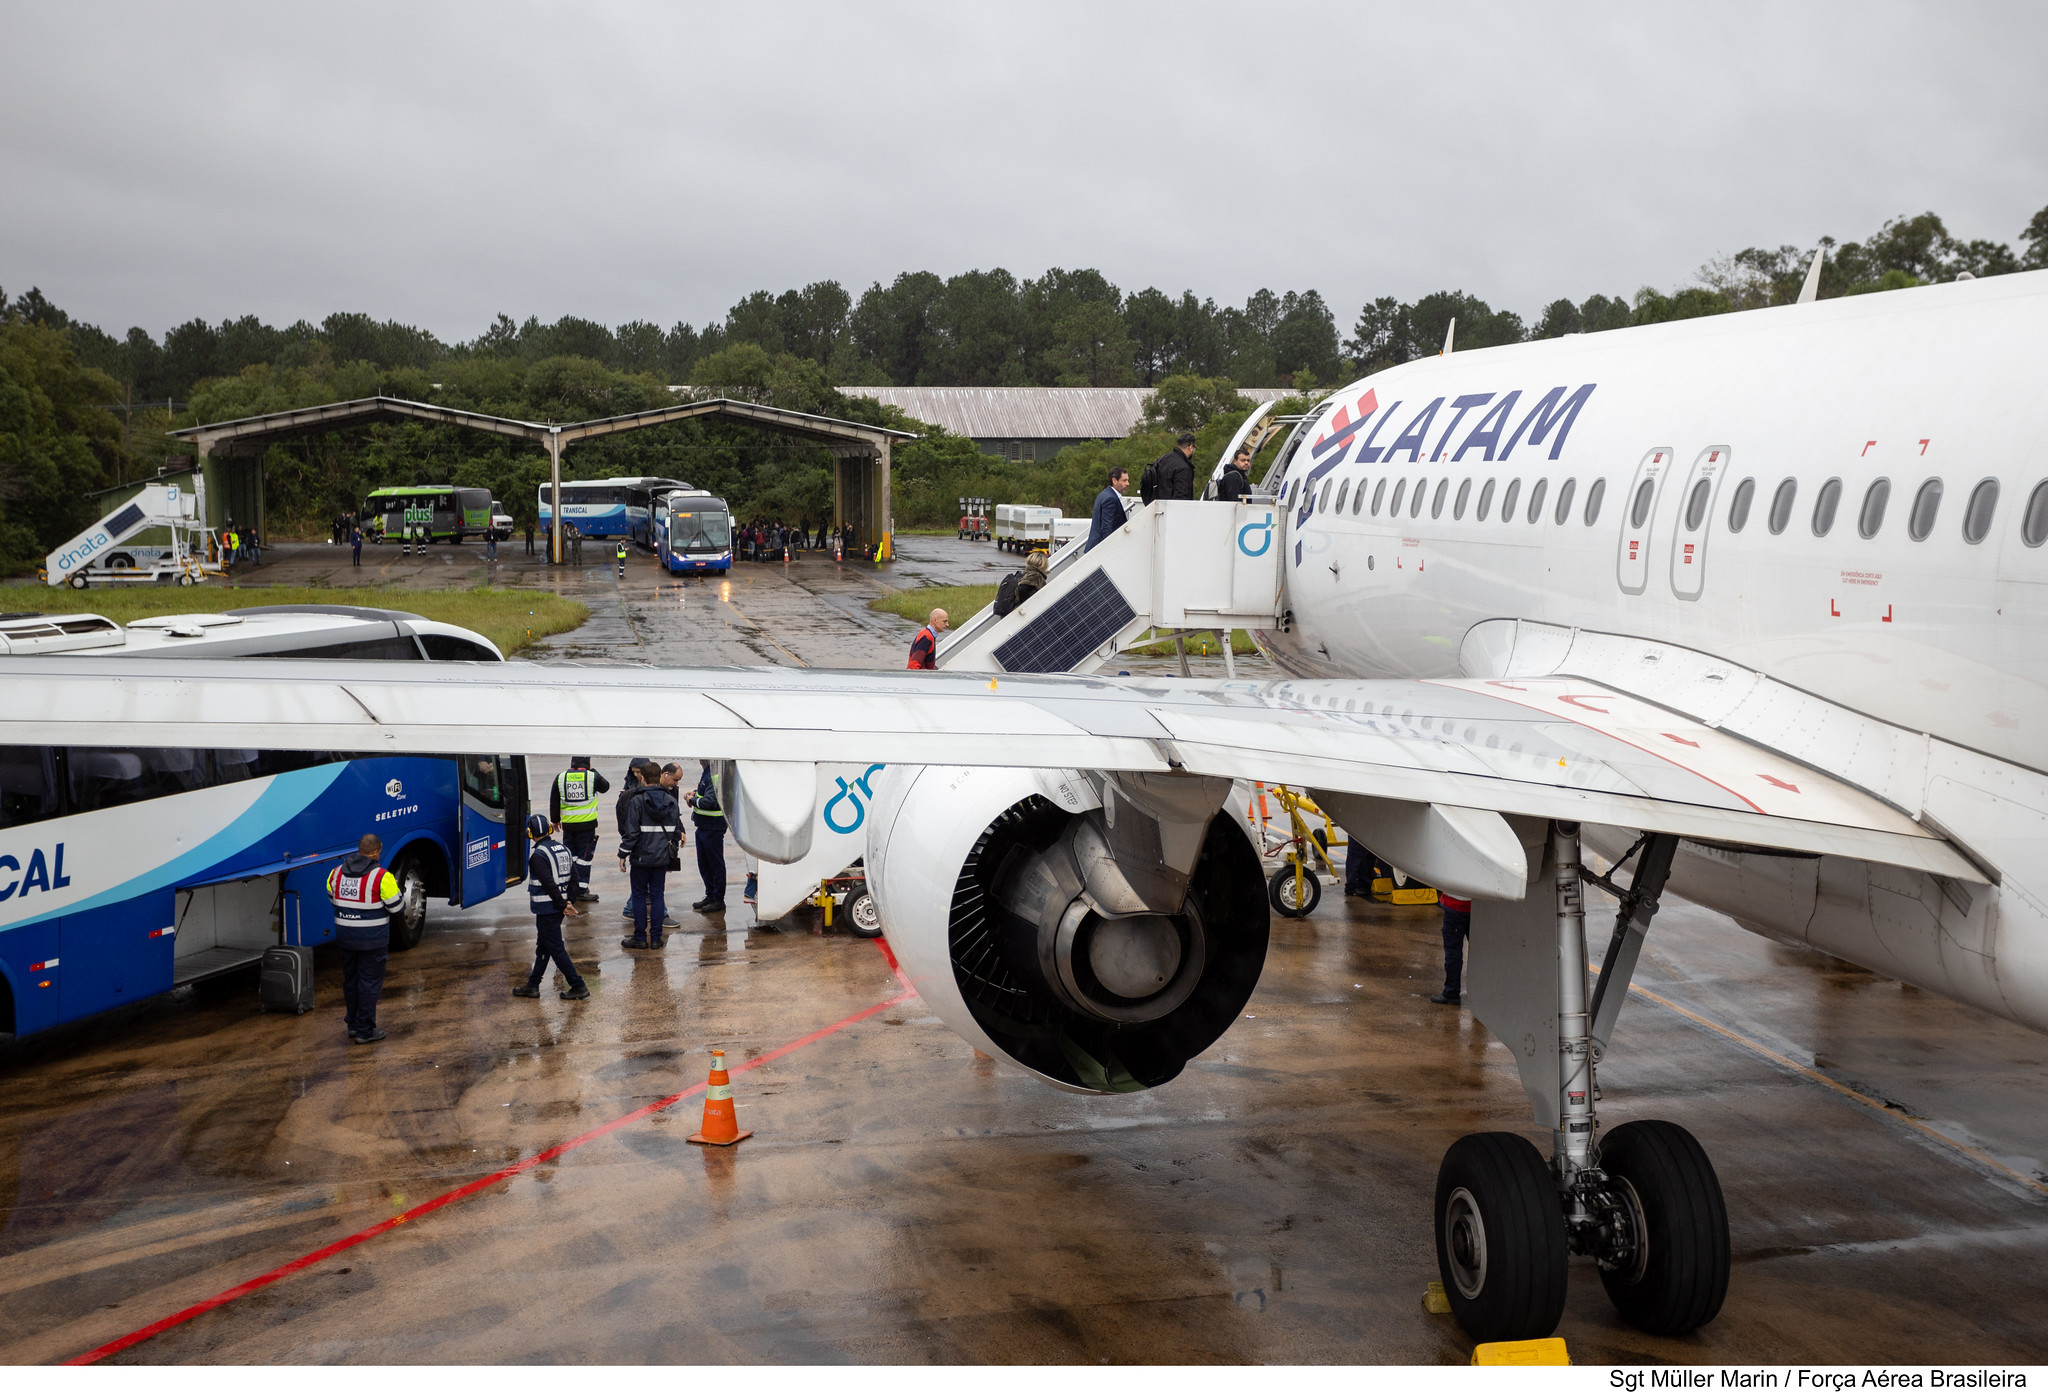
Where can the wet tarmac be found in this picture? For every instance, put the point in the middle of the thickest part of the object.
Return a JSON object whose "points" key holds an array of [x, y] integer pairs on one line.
{"points": [[906, 1200]]}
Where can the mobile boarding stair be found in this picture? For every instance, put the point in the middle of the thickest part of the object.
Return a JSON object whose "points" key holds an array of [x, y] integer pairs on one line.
{"points": [[98, 556], [1176, 567]]}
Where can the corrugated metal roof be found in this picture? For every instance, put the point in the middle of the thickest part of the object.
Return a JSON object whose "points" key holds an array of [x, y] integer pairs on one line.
{"points": [[1031, 413]]}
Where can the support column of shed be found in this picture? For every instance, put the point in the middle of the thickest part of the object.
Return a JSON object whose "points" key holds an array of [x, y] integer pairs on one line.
{"points": [[554, 495]]}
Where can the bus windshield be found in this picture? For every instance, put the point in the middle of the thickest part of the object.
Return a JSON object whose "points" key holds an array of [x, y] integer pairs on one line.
{"points": [[698, 529]]}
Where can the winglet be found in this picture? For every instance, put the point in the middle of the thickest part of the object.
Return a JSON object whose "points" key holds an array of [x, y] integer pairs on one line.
{"points": [[1449, 330], [1810, 292]]}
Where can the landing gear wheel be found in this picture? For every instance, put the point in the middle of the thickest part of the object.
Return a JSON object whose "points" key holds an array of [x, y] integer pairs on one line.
{"points": [[409, 920], [1500, 1240], [1289, 901], [863, 917], [1675, 1275]]}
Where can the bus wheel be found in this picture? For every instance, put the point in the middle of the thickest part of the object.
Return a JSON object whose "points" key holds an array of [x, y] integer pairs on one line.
{"points": [[409, 920]]}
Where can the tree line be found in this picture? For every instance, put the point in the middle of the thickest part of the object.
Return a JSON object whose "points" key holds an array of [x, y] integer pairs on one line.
{"points": [[81, 409]]}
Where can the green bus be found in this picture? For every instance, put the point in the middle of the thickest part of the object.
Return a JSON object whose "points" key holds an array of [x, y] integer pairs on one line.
{"points": [[448, 513]]}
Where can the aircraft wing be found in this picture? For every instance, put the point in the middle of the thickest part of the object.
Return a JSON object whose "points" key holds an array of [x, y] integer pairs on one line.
{"points": [[1538, 747]]}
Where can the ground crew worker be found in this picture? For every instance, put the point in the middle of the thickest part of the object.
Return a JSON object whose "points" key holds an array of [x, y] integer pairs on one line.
{"points": [[924, 648], [653, 825], [635, 784], [228, 542], [572, 802], [547, 894], [709, 820], [355, 546], [622, 560], [363, 894], [1457, 925], [529, 536]]}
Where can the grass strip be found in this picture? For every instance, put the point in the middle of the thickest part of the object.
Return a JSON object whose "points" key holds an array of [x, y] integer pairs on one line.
{"points": [[512, 619], [958, 601]]}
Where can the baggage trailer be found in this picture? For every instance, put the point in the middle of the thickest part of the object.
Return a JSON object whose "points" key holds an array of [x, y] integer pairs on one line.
{"points": [[1026, 527]]}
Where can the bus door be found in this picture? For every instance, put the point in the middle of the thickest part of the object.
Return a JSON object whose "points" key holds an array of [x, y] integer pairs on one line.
{"points": [[512, 783], [483, 827], [117, 953]]}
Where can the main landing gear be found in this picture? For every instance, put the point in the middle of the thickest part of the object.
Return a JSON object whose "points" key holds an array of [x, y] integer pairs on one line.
{"points": [[1642, 1202]]}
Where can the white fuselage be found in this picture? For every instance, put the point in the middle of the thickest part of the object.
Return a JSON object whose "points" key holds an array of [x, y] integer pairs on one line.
{"points": [[1933, 629]]}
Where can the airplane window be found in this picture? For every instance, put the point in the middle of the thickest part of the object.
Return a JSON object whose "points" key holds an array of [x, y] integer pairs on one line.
{"points": [[1464, 497], [1342, 490], [1415, 508], [1593, 497], [1738, 511], [1640, 512], [2034, 526], [1400, 488], [1507, 501], [1781, 505], [1379, 491], [1564, 501], [1926, 504], [1696, 506], [1485, 500], [1977, 517], [1536, 500], [1824, 505], [1874, 500], [1323, 503], [1358, 499], [1436, 503]]}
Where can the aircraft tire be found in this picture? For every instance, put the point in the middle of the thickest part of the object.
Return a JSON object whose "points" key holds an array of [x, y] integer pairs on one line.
{"points": [[1500, 1239], [863, 917], [1677, 1277], [1280, 892]]}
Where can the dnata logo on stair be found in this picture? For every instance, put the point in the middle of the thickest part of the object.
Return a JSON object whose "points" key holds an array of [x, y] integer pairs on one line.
{"points": [[43, 872], [84, 551], [1264, 530]]}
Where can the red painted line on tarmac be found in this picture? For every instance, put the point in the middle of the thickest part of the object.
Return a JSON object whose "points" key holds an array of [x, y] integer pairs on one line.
{"points": [[341, 1245]]}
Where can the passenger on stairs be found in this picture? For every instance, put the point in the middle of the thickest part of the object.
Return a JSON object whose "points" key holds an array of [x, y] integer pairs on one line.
{"points": [[1108, 517]]}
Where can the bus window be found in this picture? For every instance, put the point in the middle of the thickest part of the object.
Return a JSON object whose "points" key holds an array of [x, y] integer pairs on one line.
{"points": [[447, 648], [481, 780], [376, 649], [28, 785], [103, 778]]}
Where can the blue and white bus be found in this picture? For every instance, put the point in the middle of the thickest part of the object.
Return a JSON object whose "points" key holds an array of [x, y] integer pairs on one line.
{"points": [[692, 532], [608, 507], [127, 872]]}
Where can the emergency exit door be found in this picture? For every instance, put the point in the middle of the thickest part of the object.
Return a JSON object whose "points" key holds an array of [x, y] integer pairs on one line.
{"points": [[1693, 523], [1638, 510]]}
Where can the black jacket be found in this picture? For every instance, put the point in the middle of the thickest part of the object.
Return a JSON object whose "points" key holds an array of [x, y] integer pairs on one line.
{"points": [[1233, 485], [652, 824], [1173, 475]]}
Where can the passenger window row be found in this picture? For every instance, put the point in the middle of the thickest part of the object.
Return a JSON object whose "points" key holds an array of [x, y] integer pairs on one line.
{"points": [[1420, 495], [1978, 511]]}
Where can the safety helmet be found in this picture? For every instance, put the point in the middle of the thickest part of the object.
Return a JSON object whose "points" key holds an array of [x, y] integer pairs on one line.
{"points": [[537, 825]]}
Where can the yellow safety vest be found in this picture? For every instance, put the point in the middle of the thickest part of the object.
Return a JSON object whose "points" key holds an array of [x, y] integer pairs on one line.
{"points": [[579, 795]]}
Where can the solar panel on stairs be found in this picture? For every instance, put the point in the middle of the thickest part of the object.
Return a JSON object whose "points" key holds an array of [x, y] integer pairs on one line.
{"points": [[1072, 627]]}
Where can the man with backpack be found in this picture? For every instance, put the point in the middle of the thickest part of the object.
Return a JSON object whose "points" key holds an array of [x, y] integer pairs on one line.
{"points": [[653, 823], [1236, 481], [1172, 475], [547, 891]]}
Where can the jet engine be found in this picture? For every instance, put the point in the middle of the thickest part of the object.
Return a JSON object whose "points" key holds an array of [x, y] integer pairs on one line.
{"points": [[1099, 929]]}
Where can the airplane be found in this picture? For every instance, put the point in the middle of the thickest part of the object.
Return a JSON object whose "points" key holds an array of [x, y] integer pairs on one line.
{"points": [[1753, 606]]}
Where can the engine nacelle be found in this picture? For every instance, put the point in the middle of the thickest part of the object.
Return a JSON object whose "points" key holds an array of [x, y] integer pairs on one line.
{"points": [[1100, 931]]}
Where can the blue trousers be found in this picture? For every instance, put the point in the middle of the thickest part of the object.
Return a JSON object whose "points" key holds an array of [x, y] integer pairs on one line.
{"points": [[551, 949], [362, 982], [650, 901], [711, 861], [1457, 926]]}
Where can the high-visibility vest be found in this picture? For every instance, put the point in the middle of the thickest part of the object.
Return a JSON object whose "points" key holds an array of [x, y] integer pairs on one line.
{"points": [[578, 789], [561, 863], [359, 900]]}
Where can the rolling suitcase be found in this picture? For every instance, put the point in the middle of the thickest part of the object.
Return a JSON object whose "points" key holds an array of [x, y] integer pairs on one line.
{"points": [[285, 982]]}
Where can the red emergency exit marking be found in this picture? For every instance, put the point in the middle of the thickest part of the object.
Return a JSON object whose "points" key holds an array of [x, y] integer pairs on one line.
{"points": [[1713, 456], [1632, 545], [1866, 447], [1887, 615], [1777, 782], [1688, 553], [1833, 613]]}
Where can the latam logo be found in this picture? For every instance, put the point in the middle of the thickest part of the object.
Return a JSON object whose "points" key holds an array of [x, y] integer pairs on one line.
{"points": [[1550, 419], [45, 873]]}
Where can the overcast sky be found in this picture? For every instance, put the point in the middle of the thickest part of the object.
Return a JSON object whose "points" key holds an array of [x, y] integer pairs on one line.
{"points": [[439, 164]]}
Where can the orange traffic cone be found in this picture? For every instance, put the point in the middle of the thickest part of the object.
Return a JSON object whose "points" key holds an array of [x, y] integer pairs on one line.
{"points": [[721, 1128]]}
